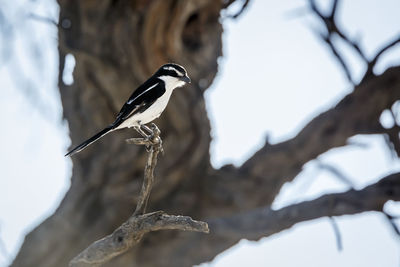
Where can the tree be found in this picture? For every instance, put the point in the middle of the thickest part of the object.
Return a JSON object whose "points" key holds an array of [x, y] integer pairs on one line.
{"points": [[117, 44]]}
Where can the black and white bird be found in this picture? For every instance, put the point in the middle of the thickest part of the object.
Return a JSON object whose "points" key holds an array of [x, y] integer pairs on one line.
{"points": [[146, 103]]}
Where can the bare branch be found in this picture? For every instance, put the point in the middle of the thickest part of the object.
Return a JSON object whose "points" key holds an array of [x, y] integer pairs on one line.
{"points": [[393, 139], [155, 148], [373, 62], [131, 232], [335, 52], [336, 231], [242, 9], [314, 8], [351, 43], [138, 141], [42, 19], [334, 8], [391, 219], [392, 135], [385, 48], [335, 171], [332, 29], [264, 221], [361, 108], [357, 144]]}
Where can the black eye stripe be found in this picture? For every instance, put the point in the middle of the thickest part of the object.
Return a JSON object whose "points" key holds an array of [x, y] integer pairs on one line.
{"points": [[173, 73], [174, 70]]}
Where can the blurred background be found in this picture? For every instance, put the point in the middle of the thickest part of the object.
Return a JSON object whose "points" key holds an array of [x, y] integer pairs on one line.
{"points": [[275, 75]]}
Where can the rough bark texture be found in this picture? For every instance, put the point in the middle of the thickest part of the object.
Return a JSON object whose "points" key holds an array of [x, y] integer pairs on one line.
{"points": [[117, 44]]}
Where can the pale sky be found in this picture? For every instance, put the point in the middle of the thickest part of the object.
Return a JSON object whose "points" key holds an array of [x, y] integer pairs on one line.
{"points": [[268, 53]]}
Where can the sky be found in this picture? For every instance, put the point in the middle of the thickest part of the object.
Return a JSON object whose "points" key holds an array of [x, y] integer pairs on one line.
{"points": [[270, 52]]}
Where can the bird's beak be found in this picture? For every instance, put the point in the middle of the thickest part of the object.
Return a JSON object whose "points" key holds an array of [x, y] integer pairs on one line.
{"points": [[186, 79]]}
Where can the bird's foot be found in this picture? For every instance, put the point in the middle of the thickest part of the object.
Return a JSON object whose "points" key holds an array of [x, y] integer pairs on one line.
{"points": [[147, 129], [155, 136], [141, 132], [151, 136]]}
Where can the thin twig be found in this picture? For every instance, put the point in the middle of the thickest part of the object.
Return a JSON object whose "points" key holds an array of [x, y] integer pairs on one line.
{"points": [[242, 9], [138, 141], [337, 233], [392, 138], [332, 29], [392, 135], [391, 219], [339, 57], [358, 144], [335, 171], [42, 19], [373, 62], [132, 231], [334, 8], [384, 49]]}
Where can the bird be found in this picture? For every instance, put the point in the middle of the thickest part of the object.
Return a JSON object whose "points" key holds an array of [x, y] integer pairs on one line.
{"points": [[145, 104]]}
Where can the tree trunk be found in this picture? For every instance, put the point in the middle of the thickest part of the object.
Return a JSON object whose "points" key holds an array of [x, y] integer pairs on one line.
{"points": [[117, 44]]}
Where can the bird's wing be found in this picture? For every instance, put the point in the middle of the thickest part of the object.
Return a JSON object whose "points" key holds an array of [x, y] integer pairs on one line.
{"points": [[140, 100]]}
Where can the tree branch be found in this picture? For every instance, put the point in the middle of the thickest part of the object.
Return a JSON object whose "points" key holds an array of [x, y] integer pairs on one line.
{"points": [[132, 231], [273, 165], [335, 171], [337, 233], [392, 223], [42, 19], [154, 141], [242, 9], [264, 221], [327, 38], [256, 183], [332, 29], [392, 136], [373, 62]]}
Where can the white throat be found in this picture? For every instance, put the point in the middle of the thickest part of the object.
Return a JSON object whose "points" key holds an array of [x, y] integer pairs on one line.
{"points": [[171, 82]]}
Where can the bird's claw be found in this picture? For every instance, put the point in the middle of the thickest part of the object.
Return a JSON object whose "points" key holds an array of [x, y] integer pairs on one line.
{"points": [[152, 137]]}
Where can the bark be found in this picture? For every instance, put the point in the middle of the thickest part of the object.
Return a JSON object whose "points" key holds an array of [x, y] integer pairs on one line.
{"points": [[117, 45]]}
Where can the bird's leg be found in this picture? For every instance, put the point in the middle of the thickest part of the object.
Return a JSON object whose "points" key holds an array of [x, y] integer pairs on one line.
{"points": [[147, 129], [156, 139], [144, 135], [141, 132], [154, 129], [147, 136], [151, 138]]}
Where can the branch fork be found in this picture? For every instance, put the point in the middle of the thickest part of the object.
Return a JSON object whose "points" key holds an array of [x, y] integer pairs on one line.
{"points": [[132, 231]]}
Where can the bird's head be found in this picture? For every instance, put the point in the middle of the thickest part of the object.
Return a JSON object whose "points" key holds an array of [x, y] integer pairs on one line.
{"points": [[173, 75]]}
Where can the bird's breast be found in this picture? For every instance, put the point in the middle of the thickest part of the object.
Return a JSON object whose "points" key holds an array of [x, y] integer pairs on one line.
{"points": [[150, 114]]}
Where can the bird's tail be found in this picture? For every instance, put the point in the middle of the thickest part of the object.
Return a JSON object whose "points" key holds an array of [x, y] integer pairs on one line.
{"points": [[90, 141]]}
